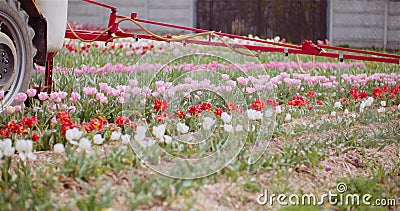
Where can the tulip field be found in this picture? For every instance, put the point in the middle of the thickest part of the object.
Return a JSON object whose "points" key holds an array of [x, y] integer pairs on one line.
{"points": [[107, 135]]}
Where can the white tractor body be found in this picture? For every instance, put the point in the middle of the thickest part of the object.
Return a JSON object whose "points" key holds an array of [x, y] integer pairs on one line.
{"points": [[55, 12]]}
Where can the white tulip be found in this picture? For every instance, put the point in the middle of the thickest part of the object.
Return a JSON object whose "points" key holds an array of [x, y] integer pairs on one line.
{"points": [[73, 135], [253, 114], [141, 130], [139, 137], [140, 134], [84, 144], [10, 109], [29, 145], [369, 101], [115, 136], [148, 143], [278, 109], [20, 145], [143, 143], [182, 128], [362, 106], [208, 123], [168, 139], [226, 117], [7, 143], [151, 142], [126, 138], [269, 113], [98, 139], [239, 128], [228, 128], [59, 148], [288, 117], [24, 148], [158, 131], [9, 151]]}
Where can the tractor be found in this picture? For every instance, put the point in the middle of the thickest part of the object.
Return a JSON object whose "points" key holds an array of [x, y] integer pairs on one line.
{"points": [[31, 31]]}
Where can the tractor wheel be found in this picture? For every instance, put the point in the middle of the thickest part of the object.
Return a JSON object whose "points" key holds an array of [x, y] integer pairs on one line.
{"points": [[16, 51]]}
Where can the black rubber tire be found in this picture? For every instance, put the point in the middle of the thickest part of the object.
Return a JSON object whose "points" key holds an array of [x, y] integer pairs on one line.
{"points": [[14, 23]]}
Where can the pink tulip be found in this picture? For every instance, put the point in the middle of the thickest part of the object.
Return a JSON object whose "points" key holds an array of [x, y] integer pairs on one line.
{"points": [[168, 85], [186, 95], [113, 92], [133, 83], [54, 95], [250, 90], [227, 89], [75, 97], [146, 91], [243, 81], [36, 109], [103, 86], [62, 95], [58, 100], [231, 83], [121, 100], [43, 96], [89, 91], [135, 91], [159, 84], [225, 77], [101, 98], [18, 108], [20, 97], [121, 88], [72, 109], [1, 94], [31, 92]]}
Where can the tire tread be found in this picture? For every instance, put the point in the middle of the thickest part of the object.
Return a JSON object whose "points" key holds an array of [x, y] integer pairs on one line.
{"points": [[16, 6]]}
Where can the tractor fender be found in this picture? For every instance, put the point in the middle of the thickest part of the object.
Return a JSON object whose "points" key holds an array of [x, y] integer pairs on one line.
{"points": [[39, 24]]}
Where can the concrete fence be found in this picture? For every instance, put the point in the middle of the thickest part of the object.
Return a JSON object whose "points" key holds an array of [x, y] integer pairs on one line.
{"points": [[365, 23], [181, 12]]}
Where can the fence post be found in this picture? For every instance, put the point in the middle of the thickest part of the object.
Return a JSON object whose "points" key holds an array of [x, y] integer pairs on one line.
{"points": [[330, 20], [385, 27]]}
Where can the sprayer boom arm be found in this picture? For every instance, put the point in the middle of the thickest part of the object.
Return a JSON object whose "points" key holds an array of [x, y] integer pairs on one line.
{"points": [[306, 48]]}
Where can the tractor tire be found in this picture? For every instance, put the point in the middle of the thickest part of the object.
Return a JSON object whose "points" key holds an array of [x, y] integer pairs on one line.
{"points": [[16, 51]]}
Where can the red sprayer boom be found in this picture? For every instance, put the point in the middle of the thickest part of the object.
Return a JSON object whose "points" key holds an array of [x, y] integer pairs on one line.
{"points": [[306, 48]]}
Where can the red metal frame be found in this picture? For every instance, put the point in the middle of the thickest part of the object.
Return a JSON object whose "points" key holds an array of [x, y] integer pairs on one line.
{"points": [[49, 70], [306, 48]]}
